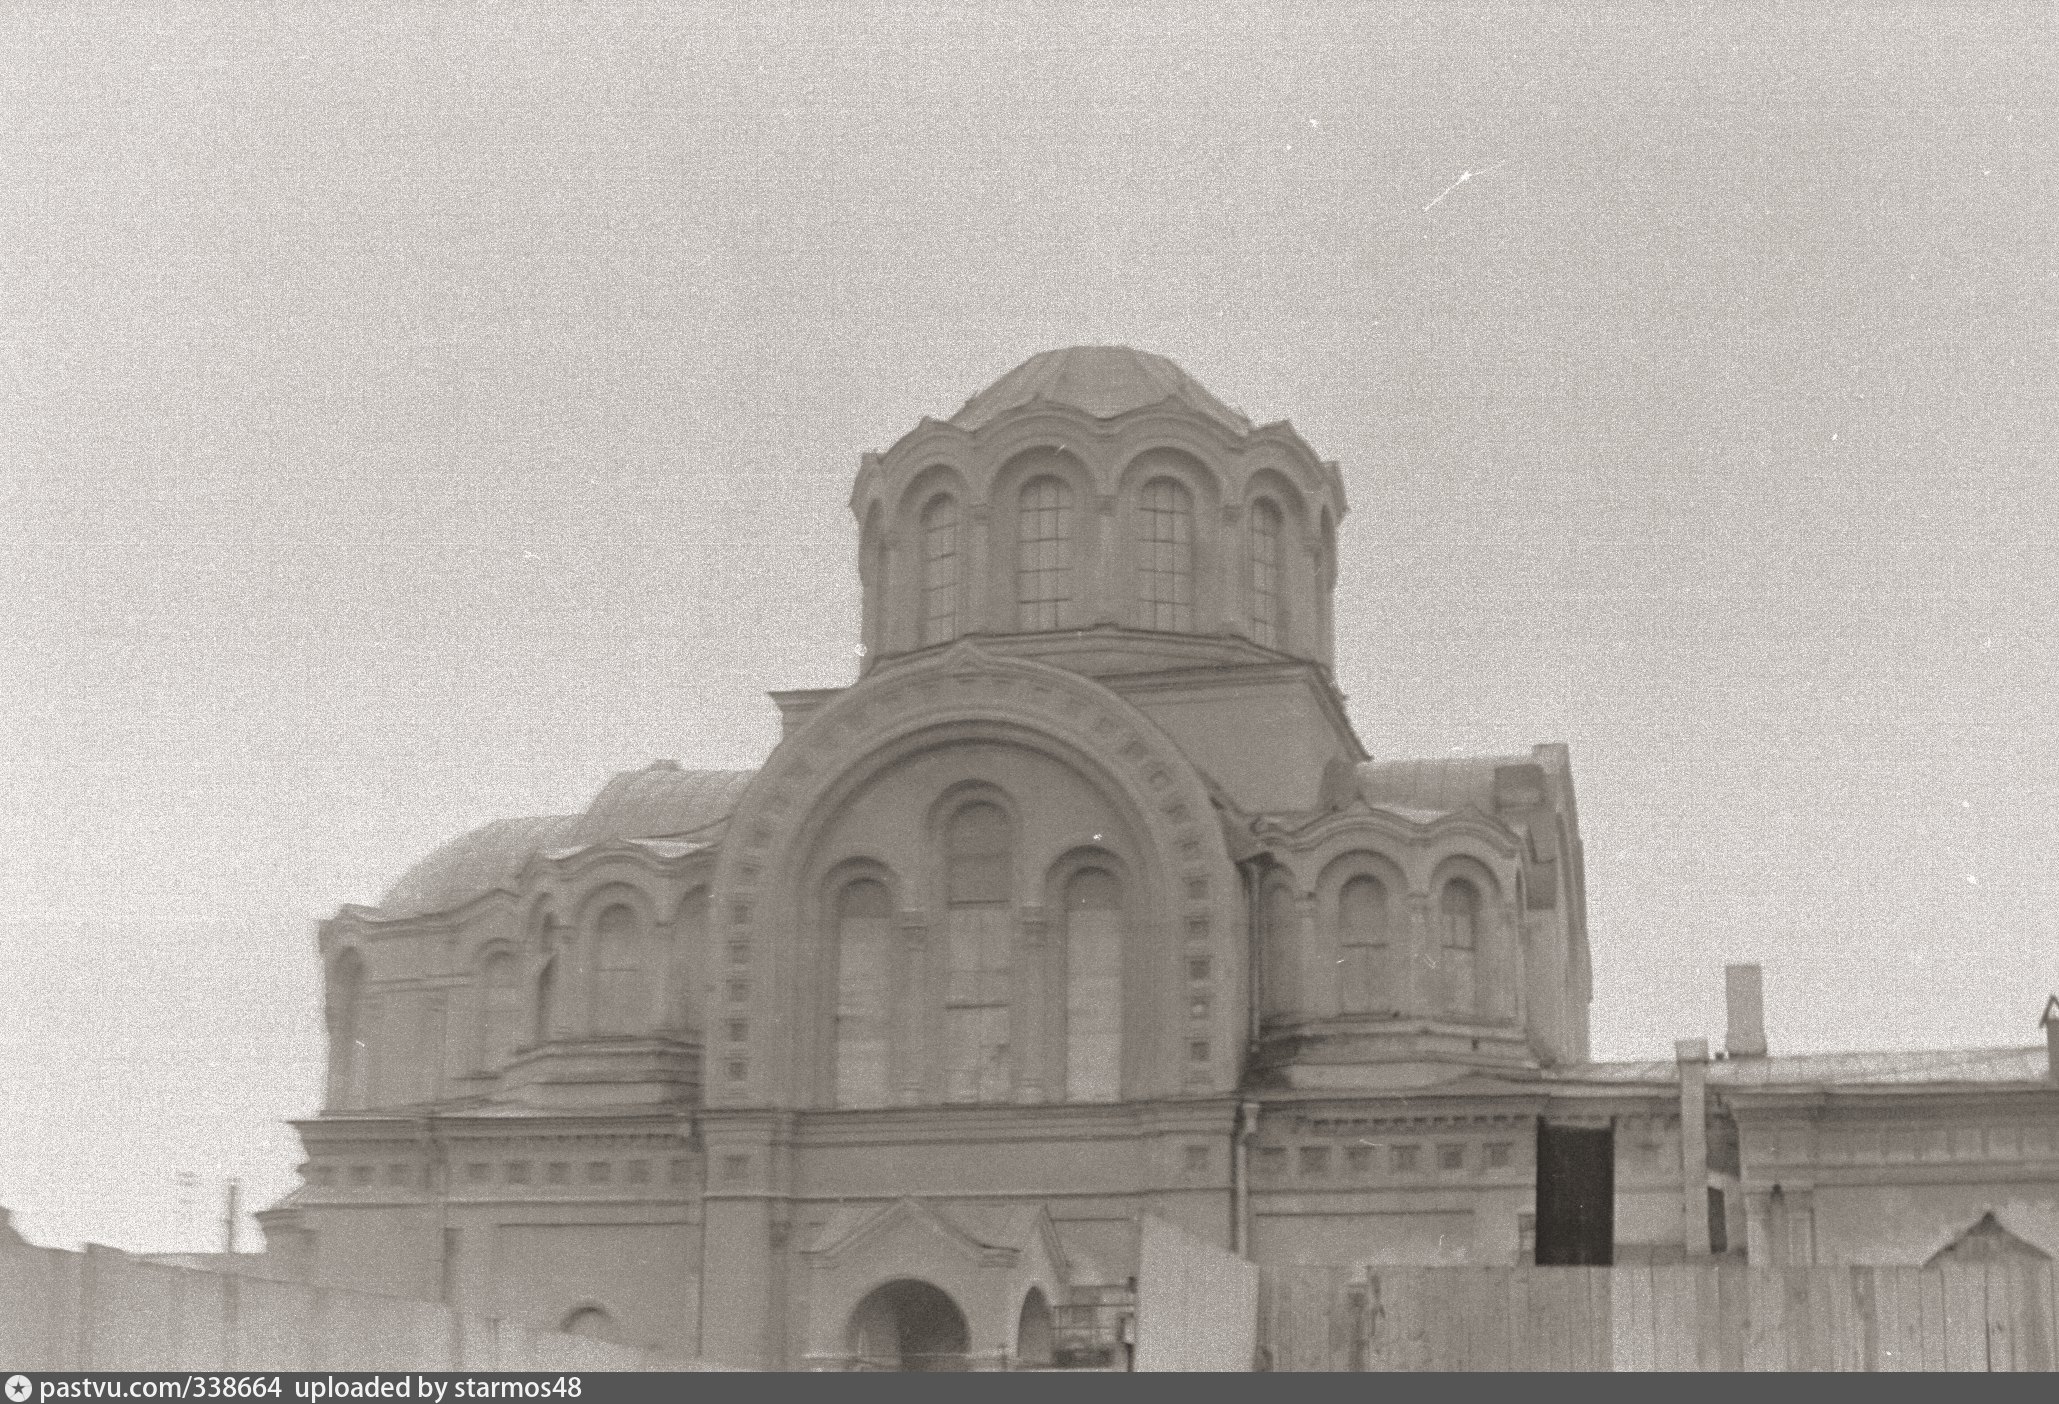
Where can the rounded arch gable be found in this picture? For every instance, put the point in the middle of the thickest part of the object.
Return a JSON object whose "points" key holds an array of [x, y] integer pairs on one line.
{"points": [[963, 693]]}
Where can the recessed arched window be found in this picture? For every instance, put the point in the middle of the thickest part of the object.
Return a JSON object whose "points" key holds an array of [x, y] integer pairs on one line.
{"points": [[977, 849], [1364, 931], [940, 570], [500, 1009], [1093, 986], [1043, 569], [621, 997], [979, 871], [1460, 911], [349, 1053], [864, 932], [1266, 614], [1458, 914], [1165, 559]]}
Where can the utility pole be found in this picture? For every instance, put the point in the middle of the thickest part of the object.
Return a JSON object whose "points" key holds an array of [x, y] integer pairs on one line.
{"points": [[229, 1216]]}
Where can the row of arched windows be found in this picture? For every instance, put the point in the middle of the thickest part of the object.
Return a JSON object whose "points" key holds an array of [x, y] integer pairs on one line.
{"points": [[1048, 556], [1371, 943], [1012, 1017], [611, 983]]}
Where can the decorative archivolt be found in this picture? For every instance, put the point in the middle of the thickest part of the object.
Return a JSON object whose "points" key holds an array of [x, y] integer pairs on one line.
{"points": [[964, 691], [1414, 848]]}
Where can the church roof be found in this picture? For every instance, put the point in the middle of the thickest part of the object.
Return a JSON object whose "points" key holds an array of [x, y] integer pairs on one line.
{"points": [[659, 801], [1439, 786], [1927, 1067], [1103, 381]]}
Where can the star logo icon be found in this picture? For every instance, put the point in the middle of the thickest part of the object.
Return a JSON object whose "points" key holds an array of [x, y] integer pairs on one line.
{"points": [[17, 1388]]}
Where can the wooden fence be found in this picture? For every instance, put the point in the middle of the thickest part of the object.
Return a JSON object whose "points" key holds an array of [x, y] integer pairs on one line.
{"points": [[1997, 1316]]}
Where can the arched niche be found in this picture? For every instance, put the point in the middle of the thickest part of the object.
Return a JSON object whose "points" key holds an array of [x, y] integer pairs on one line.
{"points": [[1362, 915], [498, 1003], [617, 959], [1278, 575], [856, 908], [1470, 955], [1090, 898]]}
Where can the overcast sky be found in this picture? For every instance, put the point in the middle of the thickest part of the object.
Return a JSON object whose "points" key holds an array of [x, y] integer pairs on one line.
{"points": [[412, 415]]}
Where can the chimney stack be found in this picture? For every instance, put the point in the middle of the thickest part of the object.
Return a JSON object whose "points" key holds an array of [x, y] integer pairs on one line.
{"points": [[1743, 995]]}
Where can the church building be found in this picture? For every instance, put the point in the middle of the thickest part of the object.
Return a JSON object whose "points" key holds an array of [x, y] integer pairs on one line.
{"points": [[1085, 901]]}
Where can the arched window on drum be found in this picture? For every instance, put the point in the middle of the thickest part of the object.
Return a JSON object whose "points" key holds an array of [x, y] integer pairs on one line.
{"points": [[940, 570], [1093, 986], [864, 936], [622, 996], [1268, 625], [1458, 920], [979, 863], [1165, 556], [1043, 565], [1366, 950]]}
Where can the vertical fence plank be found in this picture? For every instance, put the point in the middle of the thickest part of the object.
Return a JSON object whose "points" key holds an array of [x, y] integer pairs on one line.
{"points": [[2038, 1344], [1733, 1298], [1966, 1318], [1765, 1345], [1527, 1350], [1798, 1319], [1885, 1290], [1909, 1299], [1932, 1290], [1601, 1303], [1673, 1329], [1632, 1346]]}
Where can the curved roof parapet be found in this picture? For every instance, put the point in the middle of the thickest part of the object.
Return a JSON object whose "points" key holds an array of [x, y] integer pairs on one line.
{"points": [[1441, 786], [1103, 381], [660, 801]]}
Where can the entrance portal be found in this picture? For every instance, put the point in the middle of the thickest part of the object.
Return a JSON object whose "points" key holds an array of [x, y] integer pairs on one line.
{"points": [[908, 1325], [1576, 1195]]}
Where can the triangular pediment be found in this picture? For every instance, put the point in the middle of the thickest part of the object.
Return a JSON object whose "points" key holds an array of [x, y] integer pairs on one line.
{"points": [[906, 1222]]}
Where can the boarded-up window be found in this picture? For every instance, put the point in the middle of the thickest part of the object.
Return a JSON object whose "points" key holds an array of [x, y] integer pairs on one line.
{"points": [[978, 873], [864, 927], [622, 999], [1364, 932], [1093, 987]]}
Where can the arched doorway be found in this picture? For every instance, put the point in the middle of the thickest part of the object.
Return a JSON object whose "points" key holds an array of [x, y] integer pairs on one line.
{"points": [[1033, 1345], [908, 1325]]}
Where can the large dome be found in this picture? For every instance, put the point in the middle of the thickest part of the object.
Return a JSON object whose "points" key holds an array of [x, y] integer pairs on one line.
{"points": [[1104, 381]]}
